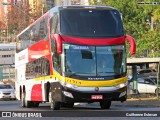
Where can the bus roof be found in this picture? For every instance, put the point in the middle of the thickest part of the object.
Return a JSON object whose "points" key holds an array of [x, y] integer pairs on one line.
{"points": [[32, 24], [83, 7], [67, 7]]}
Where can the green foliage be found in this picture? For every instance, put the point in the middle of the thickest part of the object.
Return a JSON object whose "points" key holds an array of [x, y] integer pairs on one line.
{"points": [[137, 23]]}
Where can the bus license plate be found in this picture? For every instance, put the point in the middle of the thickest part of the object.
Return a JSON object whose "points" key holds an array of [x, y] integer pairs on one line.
{"points": [[96, 97]]}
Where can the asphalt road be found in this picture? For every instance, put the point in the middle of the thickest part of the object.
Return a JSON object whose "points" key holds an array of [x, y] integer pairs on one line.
{"points": [[82, 110], [130, 105]]}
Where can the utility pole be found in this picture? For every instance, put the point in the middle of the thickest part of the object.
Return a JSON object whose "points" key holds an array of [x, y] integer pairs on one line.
{"points": [[158, 78], [42, 8]]}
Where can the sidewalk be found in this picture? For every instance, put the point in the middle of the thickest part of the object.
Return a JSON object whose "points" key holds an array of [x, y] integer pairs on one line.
{"points": [[142, 97]]}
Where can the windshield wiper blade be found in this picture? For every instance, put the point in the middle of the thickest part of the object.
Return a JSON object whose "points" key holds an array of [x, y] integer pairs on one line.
{"points": [[70, 74], [109, 72]]}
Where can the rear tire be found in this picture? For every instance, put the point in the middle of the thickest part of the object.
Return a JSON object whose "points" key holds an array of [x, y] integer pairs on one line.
{"points": [[105, 104], [27, 103], [35, 104], [22, 100]]}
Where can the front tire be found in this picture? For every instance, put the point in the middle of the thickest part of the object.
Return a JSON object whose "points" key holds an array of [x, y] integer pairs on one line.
{"points": [[105, 104], [54, 105], [68, 105]]}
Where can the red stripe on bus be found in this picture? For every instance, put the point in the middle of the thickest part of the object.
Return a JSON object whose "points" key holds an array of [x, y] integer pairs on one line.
{"points": [[36, 93], [38, 50], [94, 41]]}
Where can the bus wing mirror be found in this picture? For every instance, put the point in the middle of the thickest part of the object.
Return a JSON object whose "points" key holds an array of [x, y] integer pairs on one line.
{"points": [[132, 44], [58, 39]]}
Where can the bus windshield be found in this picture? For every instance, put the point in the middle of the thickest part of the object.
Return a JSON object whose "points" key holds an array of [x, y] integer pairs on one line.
{"points": [[94, 60], [91, 23]]}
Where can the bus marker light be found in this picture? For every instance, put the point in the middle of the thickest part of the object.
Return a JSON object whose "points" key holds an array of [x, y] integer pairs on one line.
{"points": [[68, 94]]}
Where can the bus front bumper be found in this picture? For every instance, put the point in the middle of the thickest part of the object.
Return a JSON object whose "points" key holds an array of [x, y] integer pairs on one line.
{"points": [[76, 96], [66, 94]]}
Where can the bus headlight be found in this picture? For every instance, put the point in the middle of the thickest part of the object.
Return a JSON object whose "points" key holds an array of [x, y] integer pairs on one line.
{"points": [[68, 85], [122, 85], [68, 94]]}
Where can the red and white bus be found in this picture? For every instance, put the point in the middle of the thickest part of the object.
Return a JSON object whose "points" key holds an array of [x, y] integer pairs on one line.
{"points": [[73, 54]]}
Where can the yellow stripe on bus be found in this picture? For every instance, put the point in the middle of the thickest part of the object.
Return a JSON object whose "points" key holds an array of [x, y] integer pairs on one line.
{"points": [[85, 83], [94, 83], [91, 83]]}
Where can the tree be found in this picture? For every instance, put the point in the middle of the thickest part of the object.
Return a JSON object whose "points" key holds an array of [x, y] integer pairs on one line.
{"points": [[137, 20], [18, 19]]}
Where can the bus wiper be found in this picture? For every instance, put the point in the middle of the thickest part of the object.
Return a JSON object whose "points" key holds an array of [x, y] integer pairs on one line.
{"points": [[70, 74], [109, 72]]}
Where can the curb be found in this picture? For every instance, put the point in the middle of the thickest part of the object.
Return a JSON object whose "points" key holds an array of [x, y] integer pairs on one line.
{"points": [[143, 99]]}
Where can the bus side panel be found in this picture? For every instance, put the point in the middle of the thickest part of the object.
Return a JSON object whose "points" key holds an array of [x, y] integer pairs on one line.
{"points": [[36, 93]]}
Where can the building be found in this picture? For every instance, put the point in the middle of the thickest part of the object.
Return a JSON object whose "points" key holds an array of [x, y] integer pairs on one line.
{"points": [[71, 2], [7, 61], [7, 52]]}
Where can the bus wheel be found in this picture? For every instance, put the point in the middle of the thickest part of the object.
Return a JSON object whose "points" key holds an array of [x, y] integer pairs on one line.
{"points": [[68, 105], [22, 100], [105, 104], [54, 105], [35, 104], [27, 103]]}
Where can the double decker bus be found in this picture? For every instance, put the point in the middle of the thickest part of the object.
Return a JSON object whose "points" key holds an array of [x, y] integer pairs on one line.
{"points": [[73, 54]]}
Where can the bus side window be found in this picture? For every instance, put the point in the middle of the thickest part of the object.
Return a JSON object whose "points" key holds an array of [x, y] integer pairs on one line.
{"points": [[45, 66], [43, 29], [55, 57], [54, 24]]}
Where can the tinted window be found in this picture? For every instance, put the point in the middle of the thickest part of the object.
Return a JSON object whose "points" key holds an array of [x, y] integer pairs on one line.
{"points": [[6, 87], [55, 57], [95, 61], [148, 81], [141, 80], [148, 71], [38, 68], [54, 24], [91, 23], [33, 34]]}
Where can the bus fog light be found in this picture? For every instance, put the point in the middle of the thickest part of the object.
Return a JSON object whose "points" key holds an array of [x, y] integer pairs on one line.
{"points": [[122, 94], [68, 94]]}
